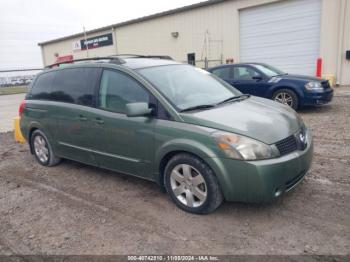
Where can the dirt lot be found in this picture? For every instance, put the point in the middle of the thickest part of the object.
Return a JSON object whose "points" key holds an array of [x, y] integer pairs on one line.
{"points": [[77, 209]]}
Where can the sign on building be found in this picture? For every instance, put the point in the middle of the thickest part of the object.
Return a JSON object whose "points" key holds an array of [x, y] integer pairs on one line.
{"points": [[93, 42], [76, 46]]}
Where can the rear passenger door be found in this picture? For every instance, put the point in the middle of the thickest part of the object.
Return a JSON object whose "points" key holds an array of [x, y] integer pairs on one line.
{"points": [[73, 91], [123, 143]]}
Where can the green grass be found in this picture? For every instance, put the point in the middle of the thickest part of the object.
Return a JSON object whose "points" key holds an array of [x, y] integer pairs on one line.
{"points": [[13, 90]]}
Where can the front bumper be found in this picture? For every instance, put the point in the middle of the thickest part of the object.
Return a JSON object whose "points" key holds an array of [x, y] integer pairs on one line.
{"points": [[318, 98], [263, 180]]}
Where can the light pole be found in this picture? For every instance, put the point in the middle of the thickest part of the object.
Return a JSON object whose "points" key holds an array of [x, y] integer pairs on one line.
{"points": [[86, 43]]}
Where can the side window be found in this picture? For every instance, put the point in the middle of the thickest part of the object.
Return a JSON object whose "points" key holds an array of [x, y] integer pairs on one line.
{"points": [[118, 89], [75, 85], [244, 73], [42, 86], [223, 73]]}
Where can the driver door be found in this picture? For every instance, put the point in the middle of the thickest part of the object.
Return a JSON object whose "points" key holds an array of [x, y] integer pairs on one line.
{"points": [[247, 80], [124, 144]]}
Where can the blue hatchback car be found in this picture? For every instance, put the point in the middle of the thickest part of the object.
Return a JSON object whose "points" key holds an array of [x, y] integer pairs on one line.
{"points": [[263, 80]]}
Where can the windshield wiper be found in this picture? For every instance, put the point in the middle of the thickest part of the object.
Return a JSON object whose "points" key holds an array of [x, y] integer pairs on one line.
{"points": [[197, 107], [233, 98]]}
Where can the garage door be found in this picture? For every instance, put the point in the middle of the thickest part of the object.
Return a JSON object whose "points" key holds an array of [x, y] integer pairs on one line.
{"points": [[284, 34]]}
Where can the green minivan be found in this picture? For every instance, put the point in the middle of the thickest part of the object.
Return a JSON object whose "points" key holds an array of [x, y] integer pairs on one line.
{"points": [[168, 122]]}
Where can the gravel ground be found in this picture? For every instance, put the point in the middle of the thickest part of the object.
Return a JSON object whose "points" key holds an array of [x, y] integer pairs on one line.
{"points": [[77, 209]]}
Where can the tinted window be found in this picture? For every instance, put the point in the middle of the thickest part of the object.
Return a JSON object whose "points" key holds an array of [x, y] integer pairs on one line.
{"points": [[42, 86], [75, 85], [224, 73], [244, 73], [118, 89]]}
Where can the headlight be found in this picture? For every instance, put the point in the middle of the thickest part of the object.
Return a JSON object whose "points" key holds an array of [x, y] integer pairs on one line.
{"points": [[314, 86], [243, 148]]}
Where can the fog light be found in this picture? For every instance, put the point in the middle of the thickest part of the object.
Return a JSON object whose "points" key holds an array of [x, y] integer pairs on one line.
{"points": [[278, 192]]}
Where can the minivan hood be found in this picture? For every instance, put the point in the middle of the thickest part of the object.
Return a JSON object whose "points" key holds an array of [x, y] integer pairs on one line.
{"points": [[255, 117], [301, 78]]}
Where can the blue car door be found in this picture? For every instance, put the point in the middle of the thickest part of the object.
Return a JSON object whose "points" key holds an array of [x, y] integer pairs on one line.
{"points": [[247, 80]]}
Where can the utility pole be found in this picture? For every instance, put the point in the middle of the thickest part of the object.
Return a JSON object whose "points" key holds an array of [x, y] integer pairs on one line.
{"points": [[86, 43]]}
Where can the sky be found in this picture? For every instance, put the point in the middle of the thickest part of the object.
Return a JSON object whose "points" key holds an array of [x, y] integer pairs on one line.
{"points": [[25, 23]]}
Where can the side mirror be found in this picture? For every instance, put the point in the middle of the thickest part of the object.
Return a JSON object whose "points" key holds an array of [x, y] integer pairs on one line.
{"points": [[138, 109], [258, 78]]}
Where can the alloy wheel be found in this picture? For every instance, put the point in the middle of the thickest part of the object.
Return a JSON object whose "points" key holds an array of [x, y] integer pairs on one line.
{"points": [[188, 185], [41, 149], [284, 98]]}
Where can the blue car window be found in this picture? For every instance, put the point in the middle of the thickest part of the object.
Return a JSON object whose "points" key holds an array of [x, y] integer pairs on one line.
{"points": [[244, 73], [223, 73]]}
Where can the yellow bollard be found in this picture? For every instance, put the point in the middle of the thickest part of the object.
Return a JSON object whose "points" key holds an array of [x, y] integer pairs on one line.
{"points": [[330, 78], [18, 134]]}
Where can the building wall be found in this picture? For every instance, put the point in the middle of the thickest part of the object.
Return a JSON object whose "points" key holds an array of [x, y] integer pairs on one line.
{"points": [[344, 74], [63, 48], [220, 24], [335, 39], [211, 32]]}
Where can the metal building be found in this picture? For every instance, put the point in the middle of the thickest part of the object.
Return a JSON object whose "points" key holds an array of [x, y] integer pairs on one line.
{"points": [[289, 34]]}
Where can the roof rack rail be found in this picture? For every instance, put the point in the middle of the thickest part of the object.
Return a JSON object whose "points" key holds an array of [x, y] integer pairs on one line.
{"points": [[112, 59], [143, 56], [127, 55]]}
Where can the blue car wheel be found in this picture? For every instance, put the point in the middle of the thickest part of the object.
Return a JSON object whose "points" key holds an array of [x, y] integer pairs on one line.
{"points": [[286, 97]]}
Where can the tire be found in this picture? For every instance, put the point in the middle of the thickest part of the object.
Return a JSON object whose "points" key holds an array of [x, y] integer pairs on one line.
{"points": [[286, 97], [42, 149], [192, 184]]}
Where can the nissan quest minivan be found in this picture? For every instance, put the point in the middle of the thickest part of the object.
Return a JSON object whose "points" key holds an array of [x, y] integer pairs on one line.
{"points": [[167, 122]]}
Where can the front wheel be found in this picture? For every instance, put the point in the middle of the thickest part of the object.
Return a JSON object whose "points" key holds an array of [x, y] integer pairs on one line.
{"points": [[286, 97], [192, 185]]}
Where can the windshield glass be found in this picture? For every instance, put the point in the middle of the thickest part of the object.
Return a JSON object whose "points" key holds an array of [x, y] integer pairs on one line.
{"points": [[269, 70], [186, 86]]}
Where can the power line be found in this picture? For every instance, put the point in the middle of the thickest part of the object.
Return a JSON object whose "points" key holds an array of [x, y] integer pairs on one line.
{"points": [[20, 70], [39, 24]]}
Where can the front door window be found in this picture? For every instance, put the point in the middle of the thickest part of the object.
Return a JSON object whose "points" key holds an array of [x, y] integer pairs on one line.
{"points": [[118, 89]]}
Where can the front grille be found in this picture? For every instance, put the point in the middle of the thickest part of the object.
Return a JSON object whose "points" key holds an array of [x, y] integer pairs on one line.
{"points": [[287, 145]]}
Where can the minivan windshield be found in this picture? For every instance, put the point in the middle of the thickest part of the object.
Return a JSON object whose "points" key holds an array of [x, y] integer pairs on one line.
{"points": [[189, 87], [269, 70]]}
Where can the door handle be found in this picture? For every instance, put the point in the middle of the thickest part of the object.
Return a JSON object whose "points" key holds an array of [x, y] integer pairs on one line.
{"points": [[98, 121], [82, 118]]}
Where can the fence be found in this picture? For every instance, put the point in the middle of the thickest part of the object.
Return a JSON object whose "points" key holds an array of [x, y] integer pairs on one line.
{"points": [[17, 77]]}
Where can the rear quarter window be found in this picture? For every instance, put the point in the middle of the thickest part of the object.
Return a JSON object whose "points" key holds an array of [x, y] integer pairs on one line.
{"points": [[41, 88]]}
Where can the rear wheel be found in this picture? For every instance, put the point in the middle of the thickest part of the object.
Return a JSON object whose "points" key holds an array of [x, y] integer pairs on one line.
{"points": [[286, 97], [42, 149], [192, 185]]}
